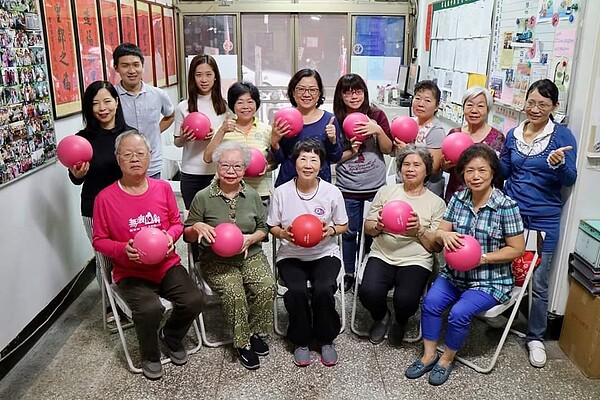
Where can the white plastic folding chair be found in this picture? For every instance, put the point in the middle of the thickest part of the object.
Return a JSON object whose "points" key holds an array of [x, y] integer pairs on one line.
{"points": [[390, 178], [174, 154], [361, 264], [279, 295], [532, 239], [117, 303], [212, 299]]}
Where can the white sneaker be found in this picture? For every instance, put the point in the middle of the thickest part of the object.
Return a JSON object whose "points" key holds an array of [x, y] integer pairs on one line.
{"points": [[537, 353]]}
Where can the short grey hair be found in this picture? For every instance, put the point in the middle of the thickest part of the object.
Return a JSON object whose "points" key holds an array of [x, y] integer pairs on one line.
{"points": [[475, 91], [421, 152], [132, 132], [231, 146]]}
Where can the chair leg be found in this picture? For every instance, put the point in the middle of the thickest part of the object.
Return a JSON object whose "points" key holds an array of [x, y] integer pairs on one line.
{"points": [[205, 339], [353, 326]]}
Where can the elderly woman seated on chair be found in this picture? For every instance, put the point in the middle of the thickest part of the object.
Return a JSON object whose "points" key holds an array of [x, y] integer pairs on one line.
{"points": [[244, 281], [120, 211], [308, 194], [492, 218], [401, 261]]}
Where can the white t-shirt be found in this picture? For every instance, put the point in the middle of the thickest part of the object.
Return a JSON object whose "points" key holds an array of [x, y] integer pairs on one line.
{"points": [[192, 161], [327, 205]]}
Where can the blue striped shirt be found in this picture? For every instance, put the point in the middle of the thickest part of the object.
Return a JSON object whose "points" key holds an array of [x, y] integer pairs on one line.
{"points": [[497, 219]]}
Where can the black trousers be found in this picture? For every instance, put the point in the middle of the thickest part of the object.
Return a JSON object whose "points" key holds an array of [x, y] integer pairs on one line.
{"points": [[408, 283], [192, 184], [315, 319], [142, 296]]}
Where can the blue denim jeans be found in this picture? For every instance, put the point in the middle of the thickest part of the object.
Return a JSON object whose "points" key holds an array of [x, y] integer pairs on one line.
{"points": [[354, 209], [538, 316], [465, 305]]}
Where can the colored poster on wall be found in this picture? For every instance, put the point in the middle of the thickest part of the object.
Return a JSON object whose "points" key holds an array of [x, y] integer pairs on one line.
{"points": [[88, 32], [170, 49], [27, 138], [111, 35], [158, 44], [63, 58], [520, 85], [128, 21], [145, 39]]}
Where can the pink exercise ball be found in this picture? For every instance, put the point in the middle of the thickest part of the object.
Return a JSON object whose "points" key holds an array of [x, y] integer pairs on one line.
{"points": [[293, 117], [467, 257], [395, 215], [72, 151], [350, 123], [405, 129], [307, 230], [152, 245], [229, 240], [198, 123], [258, 162], [454, 145]]}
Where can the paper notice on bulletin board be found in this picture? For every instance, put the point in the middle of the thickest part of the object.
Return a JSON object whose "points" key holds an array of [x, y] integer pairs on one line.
{"points": [[564, 43]]}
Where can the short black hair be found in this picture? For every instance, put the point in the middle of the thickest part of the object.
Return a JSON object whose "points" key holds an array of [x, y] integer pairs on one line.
{"points": [[309, 146], [127, 49], [481, 150], [305, 73], [240, 88], [432, 86], [546, 88]]}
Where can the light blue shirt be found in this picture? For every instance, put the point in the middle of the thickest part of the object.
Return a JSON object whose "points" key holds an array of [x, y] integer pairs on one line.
{"points": [[144, 111]]}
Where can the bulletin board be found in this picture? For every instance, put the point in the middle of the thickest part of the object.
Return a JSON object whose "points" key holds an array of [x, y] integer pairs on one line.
{"points": [[461, 33], [27, 137], [532, 40]]}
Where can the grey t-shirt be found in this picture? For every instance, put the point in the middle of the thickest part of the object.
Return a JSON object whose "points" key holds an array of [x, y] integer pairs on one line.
{"points": [[430, 136]]}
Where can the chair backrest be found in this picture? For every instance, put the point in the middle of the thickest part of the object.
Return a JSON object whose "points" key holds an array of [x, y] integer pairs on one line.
{"points": [[174, 154], [534, 240], [361, 243], [390, 176]]}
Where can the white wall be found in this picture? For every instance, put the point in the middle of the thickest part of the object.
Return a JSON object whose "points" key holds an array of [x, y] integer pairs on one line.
{"points": [[43, 243], [583, 201]]}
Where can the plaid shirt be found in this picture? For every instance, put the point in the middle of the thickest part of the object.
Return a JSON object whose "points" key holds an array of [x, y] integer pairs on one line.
{"points": [[497, 219]]}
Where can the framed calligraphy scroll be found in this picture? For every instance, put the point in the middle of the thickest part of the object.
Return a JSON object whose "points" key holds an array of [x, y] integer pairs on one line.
{"points": [[158, 44], [170, 49], [64, 71], [145, 39], [88, 32], [111, 36], [128, 21]]}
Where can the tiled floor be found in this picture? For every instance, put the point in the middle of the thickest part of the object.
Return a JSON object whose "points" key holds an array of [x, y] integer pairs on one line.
{"points": [[76, 359]]}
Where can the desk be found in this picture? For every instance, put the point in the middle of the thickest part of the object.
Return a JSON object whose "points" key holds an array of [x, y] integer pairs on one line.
{"points": [[393, 111]]}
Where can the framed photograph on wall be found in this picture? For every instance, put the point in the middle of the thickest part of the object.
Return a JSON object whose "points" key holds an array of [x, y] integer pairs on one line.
{"points": [[170, 49], [111, 35], [158, 45], [128, 21], [64, 71], [88, 33], [145, 39]]}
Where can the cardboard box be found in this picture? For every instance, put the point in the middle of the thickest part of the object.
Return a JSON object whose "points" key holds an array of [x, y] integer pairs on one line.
{"points": [[580, 336]]}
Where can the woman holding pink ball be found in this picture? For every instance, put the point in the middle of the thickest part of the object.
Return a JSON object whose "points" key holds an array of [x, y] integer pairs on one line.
{"points": [[204, 95], [477, 103], [306, 93], [361, 170], [431, 133], [401, 261], [484, 212], [243, 99]]}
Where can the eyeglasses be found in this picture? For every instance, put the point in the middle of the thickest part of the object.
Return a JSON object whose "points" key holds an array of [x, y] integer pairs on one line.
{"points": [[480, 172], [128, 155], [350, 93], [301, 90], [530, 105], [236, 167]]}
